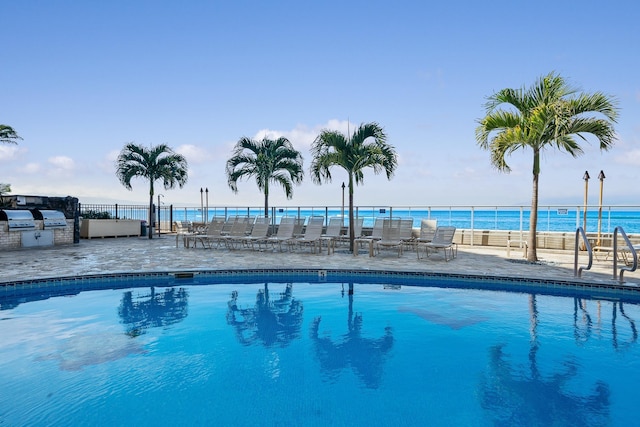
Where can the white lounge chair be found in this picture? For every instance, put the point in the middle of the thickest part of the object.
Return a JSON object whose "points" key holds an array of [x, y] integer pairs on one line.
{"points": [[427, 231], [258, 233], [391, 232], [376, 234], [212, 234], [239, 230], [357, 230], [312, 236], [443, 239], [333, 232], [284, 233]]}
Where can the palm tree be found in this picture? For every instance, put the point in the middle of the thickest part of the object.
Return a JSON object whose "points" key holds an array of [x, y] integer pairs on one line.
{"points": [[153, 163], [548, 114], [269, 161], [367, 147], [8, 135]]}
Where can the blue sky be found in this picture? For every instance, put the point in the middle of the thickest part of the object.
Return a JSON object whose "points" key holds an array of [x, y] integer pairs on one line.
{"points": [[82, 79]]}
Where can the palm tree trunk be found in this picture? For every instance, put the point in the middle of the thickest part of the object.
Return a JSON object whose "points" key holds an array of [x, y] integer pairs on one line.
{"points": [[266, 200], [352, 232], [150, 225], [532, 254], [149, 232]]}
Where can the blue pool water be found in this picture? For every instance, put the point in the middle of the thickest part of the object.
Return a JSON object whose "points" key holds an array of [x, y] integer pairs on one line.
{"points": [[297, 352]]}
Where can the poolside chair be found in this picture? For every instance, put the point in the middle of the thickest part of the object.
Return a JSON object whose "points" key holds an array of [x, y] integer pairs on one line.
{"points": [[284, 233], [406, 232], [298, 226], [443, 239], [212, 234], [258, 233], [357, 232], [427, 231], [183, 229], [312, 234], [391, 232], [333, 233], [376, 234], [238, 231]]}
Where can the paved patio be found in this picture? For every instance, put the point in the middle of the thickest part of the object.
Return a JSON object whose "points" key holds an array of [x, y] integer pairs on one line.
{"points": [[138, 254]]}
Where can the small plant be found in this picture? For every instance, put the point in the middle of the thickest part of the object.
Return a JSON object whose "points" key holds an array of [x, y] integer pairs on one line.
{"points": [[4, 190], [91, 214]]}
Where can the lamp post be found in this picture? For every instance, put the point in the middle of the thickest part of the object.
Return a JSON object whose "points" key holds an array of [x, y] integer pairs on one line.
{"points": [[586, 191], [206, 192], [343, 204], [201, 205], [158, 216], [601, 177]]}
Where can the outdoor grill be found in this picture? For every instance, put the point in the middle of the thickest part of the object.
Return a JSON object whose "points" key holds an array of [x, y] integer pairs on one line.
{"points": [[50, 218], [18, 220]]}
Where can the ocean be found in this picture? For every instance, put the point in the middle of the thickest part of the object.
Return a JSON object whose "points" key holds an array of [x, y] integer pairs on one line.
{"points": [[549, 219]]}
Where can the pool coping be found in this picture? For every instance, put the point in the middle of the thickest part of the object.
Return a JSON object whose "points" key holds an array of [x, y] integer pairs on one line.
{"points": [[66, 285]]}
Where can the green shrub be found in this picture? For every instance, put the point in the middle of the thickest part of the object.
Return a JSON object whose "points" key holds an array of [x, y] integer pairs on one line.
{"points": [[91, 214]]}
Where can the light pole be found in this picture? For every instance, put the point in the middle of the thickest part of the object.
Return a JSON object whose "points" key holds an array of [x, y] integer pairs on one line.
{"points": [[201, 205], [206, 192], [601, 177], [158, 216], [586, 191], [343, 204]]}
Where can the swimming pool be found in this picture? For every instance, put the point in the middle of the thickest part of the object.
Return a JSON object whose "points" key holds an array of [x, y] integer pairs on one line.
{"points": [[300, 348]]}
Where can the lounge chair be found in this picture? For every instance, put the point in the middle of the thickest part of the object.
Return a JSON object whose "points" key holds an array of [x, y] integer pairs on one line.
{"points": [[427, 231], [333, 232], [298, 226], [312, 234], [406, 232], [183, 229], [212, 234], [258, 233], [284, 233], [443, 239], [239, 230], [376, 234], [357, 231], [391, 231]]}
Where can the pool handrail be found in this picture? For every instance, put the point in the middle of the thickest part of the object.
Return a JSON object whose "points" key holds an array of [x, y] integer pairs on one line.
{"points": [[577, 272], [634, 264]]}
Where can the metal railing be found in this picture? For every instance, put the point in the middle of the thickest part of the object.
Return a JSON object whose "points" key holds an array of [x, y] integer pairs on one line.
{"points": [[634, 255], [551, 218], [577, 272]]}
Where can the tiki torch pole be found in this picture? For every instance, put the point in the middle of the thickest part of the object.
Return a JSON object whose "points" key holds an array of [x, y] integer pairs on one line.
{"points": [[586, 192], [601, 177]]}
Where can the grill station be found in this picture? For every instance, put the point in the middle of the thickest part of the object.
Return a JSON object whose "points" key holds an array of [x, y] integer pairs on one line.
{"points": [[18, 220], [50, 218]]}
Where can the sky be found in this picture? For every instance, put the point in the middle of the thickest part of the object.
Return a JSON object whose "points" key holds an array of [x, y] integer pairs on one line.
{"points": [[82, 79]]}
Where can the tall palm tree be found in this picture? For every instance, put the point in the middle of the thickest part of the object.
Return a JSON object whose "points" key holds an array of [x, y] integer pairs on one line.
{"points": [[269, 161], [153, 163], [548, 114], [8, 135], [367, 147]]}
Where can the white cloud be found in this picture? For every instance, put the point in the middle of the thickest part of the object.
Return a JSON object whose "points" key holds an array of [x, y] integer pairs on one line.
{"points": [[302, 137], [10, 152], [61, 166], [31, 168], [62, 162], [193, 153], [107, 164], [631, 157]]}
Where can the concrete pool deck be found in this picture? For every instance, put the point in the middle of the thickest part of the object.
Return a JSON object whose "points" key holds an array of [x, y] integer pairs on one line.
{"points": [[139, 254]]}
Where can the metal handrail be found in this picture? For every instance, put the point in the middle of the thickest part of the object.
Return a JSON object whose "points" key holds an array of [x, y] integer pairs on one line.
{"points": [[577, 272], [634, 264]]}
